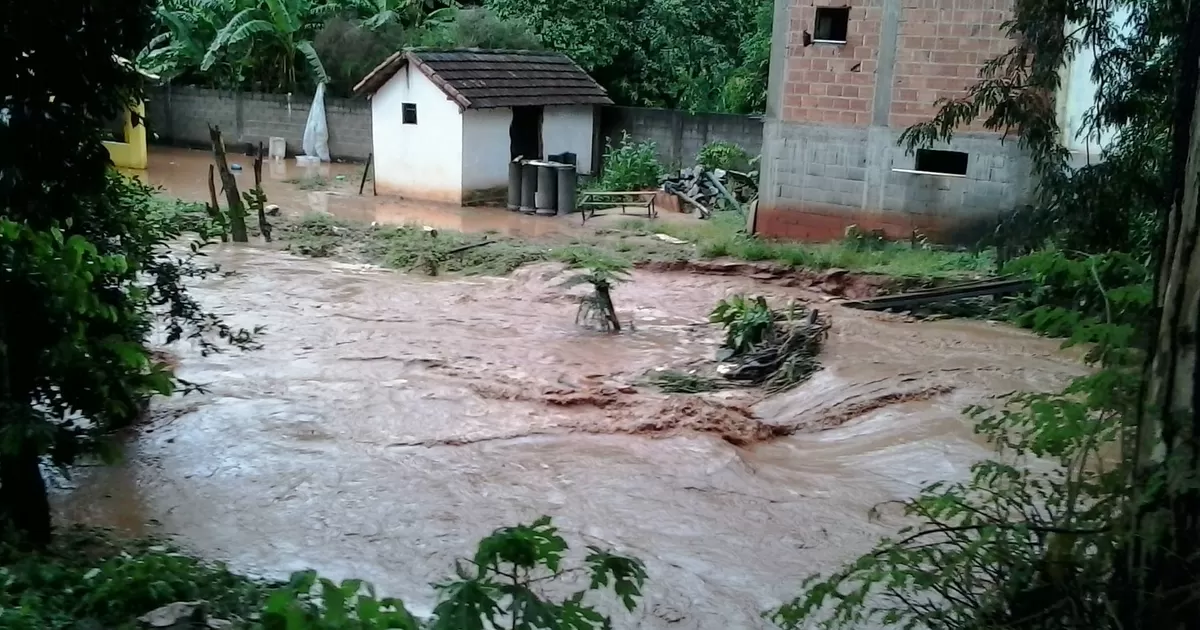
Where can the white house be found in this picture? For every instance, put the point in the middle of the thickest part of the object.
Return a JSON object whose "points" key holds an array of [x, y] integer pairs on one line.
{"points": [[446, 124]]}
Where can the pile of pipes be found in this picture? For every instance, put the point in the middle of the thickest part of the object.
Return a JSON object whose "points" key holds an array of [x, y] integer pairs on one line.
{"points": [[701, 189]]}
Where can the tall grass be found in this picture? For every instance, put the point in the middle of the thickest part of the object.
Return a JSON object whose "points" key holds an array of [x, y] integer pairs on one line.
{"points": [[722, 237]]}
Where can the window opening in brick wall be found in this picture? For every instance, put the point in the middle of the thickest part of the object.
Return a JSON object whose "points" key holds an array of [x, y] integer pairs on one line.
{"points": [[408, 113], [935, 161], [831, 25]]}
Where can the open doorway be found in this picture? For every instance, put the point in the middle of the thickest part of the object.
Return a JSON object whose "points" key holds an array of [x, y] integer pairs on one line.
{"points": [[525, 133]]}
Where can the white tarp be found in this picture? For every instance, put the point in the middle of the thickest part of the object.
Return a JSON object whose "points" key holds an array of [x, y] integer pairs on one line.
{"points": [[316, 131]]}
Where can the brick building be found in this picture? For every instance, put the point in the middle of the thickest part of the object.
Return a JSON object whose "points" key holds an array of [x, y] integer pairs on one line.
{"points": [[847, 77]]}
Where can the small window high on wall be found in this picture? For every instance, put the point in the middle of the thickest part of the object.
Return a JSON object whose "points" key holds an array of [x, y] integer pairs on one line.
{"points": [[942, 162], [831, 25], [408, 113]]}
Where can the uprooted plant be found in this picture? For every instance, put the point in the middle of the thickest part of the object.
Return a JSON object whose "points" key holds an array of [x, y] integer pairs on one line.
{"points": [[775, 349], [597, 309]]}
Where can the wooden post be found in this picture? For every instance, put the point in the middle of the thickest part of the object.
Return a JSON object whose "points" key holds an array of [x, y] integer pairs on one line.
{"points": [[260, 198], [214, 209], [367, 169], [237, 211]]}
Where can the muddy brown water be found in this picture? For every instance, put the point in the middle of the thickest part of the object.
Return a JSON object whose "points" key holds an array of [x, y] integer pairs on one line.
{"points": [[390, 421]]}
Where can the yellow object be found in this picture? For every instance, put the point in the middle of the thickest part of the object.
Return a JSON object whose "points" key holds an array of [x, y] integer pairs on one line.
{"points": [[131, 153]]}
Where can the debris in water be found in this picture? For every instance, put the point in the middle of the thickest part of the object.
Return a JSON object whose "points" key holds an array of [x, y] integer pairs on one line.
{"points": [[670, 239]]}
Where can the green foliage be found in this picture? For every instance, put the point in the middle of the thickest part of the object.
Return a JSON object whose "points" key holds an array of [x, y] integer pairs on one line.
{"points": [[630, 166], [602, 273], [748, 322], [662, 53], [503, 586], [723, 155], [481, 28], [772, 348], [665, 53], [351, 48], [85, 581], [85, 266], [1105, 300], [253, 44]]}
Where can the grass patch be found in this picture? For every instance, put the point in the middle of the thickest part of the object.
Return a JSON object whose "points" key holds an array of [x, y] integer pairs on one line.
{"points": [[309, 182], [722, 237], [412, 248], [676, 382]]}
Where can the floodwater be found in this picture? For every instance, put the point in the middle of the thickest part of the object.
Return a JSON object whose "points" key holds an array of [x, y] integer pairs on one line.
{"points": [[333, 189], [390, 421]]}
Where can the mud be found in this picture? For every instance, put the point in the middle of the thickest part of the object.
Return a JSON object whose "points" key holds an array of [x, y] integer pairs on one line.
{"points": [[390, 421]]}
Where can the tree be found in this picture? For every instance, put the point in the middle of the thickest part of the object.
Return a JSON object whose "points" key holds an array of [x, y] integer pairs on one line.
{"points": [[83, 263], [1156, 585]]}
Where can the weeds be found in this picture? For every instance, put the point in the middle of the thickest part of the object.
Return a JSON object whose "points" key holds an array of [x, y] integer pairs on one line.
{"points": [[771, 348], [676, 382], [630, 166], [723, 155], [724, 236], [308, 182]]}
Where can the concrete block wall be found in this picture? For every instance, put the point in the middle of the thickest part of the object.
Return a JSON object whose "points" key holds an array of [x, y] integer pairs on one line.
{"points": [[836, 111], [824, 178], [181, 115], [678, 134]]}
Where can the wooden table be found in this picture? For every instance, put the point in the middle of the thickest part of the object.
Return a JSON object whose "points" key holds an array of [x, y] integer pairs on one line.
{"points": [[591, 202]]}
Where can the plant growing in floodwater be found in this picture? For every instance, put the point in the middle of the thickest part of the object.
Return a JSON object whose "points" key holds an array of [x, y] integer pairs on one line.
{"points": [[597, 308], [747, 321]]}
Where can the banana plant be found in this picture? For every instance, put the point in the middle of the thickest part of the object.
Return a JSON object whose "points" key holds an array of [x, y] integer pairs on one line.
{"points": [[274, 33], [189, 28], [407, 13]]}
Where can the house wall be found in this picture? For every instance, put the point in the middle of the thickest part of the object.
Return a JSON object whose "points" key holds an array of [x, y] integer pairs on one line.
{"points": [[486, 150], [835, 113], [570, 128], [421, 161]]}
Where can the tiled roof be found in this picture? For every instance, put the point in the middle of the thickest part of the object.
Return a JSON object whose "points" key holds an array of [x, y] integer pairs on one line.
{"points": [[481, 79]]}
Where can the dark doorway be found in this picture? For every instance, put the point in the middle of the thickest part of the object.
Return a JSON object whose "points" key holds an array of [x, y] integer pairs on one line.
{"points": [[525, 133]]}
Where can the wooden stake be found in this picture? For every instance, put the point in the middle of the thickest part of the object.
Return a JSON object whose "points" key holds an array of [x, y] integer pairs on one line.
{"points": [[237, 211], [214, 208], [367, 169], [260, 200]]}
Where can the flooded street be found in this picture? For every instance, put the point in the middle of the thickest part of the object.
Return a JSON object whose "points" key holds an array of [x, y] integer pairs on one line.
{"points": [[391, 420]]}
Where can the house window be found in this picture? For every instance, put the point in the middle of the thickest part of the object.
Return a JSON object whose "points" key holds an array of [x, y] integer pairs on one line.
{"points": [[943, 162], [408, 113], [832, 24]]}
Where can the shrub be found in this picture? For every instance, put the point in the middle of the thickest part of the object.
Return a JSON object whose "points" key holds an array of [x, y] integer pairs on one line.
{"points": [[630, 166], [723, 155]]}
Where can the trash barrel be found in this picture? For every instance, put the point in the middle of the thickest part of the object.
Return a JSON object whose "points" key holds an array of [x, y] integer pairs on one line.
{"points": [[529, 181], [566, 188], [546, 200], [514, 185]]}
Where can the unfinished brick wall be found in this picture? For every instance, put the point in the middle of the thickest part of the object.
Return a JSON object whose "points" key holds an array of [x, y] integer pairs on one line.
{"points": [[942, 45], [830, 152], [832, 83]]}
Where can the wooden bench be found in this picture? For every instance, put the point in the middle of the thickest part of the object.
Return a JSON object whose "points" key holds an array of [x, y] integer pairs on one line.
{"points": [[591, 202]]}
